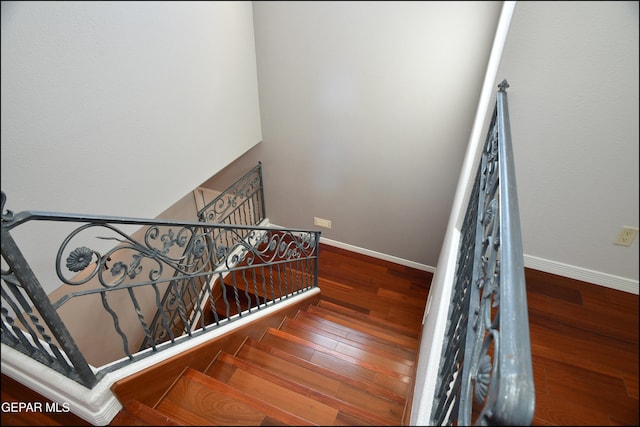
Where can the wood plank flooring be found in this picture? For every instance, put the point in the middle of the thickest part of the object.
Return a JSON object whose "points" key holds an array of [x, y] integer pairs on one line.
{"points": [[584, 344], [584, 338]]}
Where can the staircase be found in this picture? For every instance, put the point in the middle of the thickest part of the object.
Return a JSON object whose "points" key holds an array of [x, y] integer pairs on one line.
{"points": [[345, 357], [325, 365]]}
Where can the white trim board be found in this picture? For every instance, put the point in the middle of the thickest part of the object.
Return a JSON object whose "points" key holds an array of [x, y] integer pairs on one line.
{"points": [[583, 274]]}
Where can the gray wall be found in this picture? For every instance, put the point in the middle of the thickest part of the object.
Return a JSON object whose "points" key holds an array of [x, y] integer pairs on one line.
{"points": [[366, 112], [120, 108], [123, 107], [367, 109], [573, 70]]}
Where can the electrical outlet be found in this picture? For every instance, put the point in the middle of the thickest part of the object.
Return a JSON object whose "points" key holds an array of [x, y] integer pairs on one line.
{"points": [[626, 236], [325, 223]]}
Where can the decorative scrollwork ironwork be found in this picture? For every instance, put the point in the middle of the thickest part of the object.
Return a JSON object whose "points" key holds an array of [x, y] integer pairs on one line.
{"points": [[241, 203], [166, 270], [483, 378], [7, 216], [79, 259], [472, 351], [133, 256]]}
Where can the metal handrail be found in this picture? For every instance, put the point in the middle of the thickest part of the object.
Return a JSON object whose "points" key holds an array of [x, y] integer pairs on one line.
{"points": [[485, 374], [125, 274]]}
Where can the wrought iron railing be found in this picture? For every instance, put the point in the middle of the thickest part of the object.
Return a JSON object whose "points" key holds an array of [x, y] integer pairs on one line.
{"points": [[485, 375], [116, 278], [242, 203]]}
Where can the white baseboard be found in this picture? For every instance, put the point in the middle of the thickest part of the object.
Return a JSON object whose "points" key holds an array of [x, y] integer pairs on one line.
{"points": [[378, 255], [582, 274]]}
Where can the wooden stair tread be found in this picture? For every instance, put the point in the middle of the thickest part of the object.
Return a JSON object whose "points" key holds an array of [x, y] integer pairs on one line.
{"points": [[363, 352], [368, 318], [198, 399], [274, 390], [331, 359], [370, 387], [316, 378], [353, 335], [370, 328], [304, 392]]}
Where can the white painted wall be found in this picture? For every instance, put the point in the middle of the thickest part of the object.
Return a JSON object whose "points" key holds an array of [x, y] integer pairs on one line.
{"points": [[573, 100], [122, 108], [366, 110]]}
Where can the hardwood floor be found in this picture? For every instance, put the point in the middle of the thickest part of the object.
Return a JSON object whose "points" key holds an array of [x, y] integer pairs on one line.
{"points": [[584, 338], [584, 344]]}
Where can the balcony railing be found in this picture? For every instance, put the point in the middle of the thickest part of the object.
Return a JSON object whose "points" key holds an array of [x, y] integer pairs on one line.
{"points": [[122, 282], [485, 375]]}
